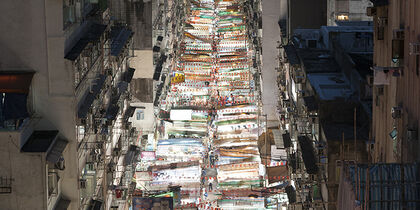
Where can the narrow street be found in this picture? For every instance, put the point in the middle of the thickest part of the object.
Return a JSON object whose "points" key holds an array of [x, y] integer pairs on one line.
{"points": [[209, 119]]}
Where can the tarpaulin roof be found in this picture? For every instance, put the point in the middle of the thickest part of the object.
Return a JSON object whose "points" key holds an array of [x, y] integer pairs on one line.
{"points": [[390, 186], [287, 142], [308, 155]]}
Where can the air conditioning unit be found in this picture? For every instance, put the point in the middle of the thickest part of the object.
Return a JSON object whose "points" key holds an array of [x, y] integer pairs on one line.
{"points": [[396, 112], [414, 48], [82, 183], [370, 11], [382, 21], [412, 135], [398, 34]]}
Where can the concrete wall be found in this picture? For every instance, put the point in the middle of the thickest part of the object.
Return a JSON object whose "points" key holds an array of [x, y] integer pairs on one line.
{"points": [[147, 124], [33, 39], [28, 171], [143, 63]]}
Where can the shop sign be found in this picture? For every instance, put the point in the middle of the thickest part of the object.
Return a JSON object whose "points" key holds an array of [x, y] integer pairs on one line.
{"points": [[148, 155], [177, 78]]}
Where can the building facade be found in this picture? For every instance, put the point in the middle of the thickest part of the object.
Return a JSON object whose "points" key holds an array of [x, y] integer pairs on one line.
{"points": [[396, 81], [64, 105]]}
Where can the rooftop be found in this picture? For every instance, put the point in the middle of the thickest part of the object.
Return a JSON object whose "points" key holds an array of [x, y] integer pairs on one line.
{"points": [[318, 61], [330, 86]]}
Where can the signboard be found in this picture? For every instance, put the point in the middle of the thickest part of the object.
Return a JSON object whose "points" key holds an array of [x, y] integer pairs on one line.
{"points": [[181, 114], [177, 78], [163, 203], [148, 155]]}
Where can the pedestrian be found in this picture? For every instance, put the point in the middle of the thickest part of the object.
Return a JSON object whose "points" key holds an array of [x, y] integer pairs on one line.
{"points": [[210, 186]]}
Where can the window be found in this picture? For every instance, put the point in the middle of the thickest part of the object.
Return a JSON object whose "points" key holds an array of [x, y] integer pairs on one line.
{"points": [[140, 115], [52, 183], [69, 13]]}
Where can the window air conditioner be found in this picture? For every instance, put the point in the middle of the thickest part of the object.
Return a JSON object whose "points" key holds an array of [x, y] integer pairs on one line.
{"points": [[370, 11], [398, 34], [82, 183], [382, 21], [414, 48], [412, 135], [396, 112]]}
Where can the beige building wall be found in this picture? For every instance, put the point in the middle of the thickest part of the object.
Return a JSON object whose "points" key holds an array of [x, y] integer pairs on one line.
{"points": [[33, 39], [403, 90], [143, 63]]}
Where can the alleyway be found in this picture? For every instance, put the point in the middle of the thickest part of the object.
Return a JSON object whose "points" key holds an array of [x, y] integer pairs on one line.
{"points": [[209, 117]]}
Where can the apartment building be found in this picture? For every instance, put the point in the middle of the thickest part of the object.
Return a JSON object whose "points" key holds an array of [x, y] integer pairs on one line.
{"points": [[347, 10], [324, 107], [396, 80], [64, 107]]}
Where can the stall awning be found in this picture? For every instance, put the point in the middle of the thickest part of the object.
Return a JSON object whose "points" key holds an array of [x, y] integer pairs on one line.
{"points": [[278, 138], [308, 154], [62, 204], [93, 34], [91, 95], [119, 37], [287, 142], [15, 81]]}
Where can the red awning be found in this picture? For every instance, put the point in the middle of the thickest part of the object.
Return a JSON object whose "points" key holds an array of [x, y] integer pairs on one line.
{"points": [[15, 82]]}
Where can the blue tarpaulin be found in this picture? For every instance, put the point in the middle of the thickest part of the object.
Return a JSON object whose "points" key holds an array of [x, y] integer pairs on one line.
{"points": [[391, 186]]}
